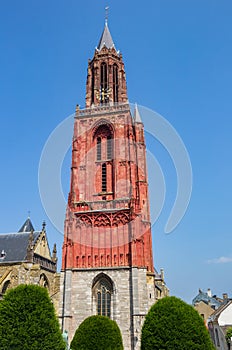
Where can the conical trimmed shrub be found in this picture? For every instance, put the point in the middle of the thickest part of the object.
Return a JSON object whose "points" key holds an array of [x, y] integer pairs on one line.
{"points": [[97, 333], [28, 320], [174, 325]]}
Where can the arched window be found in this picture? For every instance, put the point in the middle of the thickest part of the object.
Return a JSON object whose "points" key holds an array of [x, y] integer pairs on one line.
{"points": [[103, 139], [6, 285], [99, 148], [103, 291], [104, 178], [115, 83], [104, 83], [43, 281]]}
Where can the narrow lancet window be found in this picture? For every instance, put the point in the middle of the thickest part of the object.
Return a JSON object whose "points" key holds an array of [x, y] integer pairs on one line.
{"points": [[92, 87], [104, 178], [115, 83], [109, 147], [98, 148]]}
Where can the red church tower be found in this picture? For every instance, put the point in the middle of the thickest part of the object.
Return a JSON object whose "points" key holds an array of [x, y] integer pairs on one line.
{"points": [[107, 264]]}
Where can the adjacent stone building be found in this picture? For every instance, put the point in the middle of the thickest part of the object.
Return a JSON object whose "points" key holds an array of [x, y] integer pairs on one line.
{"points": [[160, 285], [25, 258]]}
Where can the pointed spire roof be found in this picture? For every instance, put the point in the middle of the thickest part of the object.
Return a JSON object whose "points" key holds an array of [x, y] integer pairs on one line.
{"points": [[106, 38], [27, 226], [137, 117]]}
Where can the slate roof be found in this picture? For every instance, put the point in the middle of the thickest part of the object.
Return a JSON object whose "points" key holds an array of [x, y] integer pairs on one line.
{"points": [[106, 39], [15, 246], [27, 226], [202, 296]]}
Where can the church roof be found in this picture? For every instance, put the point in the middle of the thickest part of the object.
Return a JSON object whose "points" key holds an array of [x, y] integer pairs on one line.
{"points": [[13, 246], [27, 226], [106, 39]]}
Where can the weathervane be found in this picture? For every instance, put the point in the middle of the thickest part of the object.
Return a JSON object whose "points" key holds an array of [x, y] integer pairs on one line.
{"points": [[107, 13]]}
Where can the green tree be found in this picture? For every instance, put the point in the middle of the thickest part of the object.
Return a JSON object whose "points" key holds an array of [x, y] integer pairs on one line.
{"points": [[174, 325], [228, 334], [28, 320], [97, 333]]}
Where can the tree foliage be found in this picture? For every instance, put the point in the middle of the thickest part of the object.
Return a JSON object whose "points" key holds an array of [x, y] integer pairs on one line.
{"points": [[172, 324], [228, 334], [28, 320], [97, 333]]}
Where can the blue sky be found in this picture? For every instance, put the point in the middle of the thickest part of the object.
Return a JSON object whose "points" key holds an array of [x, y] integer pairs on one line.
{"points": [[178, 58]]}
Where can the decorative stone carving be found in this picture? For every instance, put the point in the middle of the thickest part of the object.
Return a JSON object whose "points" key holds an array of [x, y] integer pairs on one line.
{"points": [[83, 220], [122, 162], [120, 219], [102, 220]]}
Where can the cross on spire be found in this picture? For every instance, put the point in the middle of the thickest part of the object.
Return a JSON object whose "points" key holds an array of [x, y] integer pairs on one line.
{"points": [[107, 13]]}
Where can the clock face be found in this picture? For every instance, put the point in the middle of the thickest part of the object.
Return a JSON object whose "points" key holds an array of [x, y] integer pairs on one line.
{"points": [[103, 94]]}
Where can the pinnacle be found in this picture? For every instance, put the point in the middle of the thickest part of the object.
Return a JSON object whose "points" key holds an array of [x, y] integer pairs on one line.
{"points": [[137, 117]]}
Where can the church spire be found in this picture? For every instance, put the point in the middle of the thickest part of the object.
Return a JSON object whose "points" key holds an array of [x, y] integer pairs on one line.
{"points": [[106, 79], [27, 226], [106, 38]]}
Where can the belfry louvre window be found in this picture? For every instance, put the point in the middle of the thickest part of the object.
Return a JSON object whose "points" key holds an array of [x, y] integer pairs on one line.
{"points": [[115, 83], [92, 83], [104, 178], [104, 83]]}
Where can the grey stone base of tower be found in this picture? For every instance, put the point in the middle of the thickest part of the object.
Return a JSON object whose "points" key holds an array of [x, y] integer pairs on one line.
{"points": [[133, 292]]}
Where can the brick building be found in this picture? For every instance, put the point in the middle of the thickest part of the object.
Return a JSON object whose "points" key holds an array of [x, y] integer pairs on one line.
{"points": [[107, 263]]}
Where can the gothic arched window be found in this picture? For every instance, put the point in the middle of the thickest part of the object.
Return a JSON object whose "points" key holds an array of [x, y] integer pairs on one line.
{"points": [[43, 281], [103, 137], [115, 83], [103, 140], [103, 291]]}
